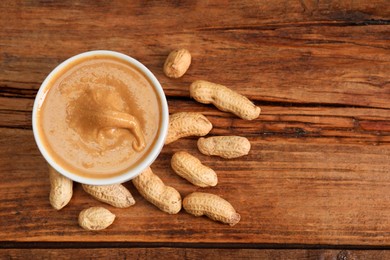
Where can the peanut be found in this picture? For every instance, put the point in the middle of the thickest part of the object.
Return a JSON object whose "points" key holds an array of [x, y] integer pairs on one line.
{"points": [[224, 146], [152, 188], [61, 189], [184, 124], [212, 206], [116, 195], [191, 169], [224, 99], [95, 218], [177, 63]]}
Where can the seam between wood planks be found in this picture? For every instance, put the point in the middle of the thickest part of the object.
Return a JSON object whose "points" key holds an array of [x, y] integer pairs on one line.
{"points": [[290, 104], [261, 102], [336, 23], [63, 245]]}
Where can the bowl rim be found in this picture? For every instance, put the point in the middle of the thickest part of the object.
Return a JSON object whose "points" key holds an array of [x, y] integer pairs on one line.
{"points": [[145, 162]]}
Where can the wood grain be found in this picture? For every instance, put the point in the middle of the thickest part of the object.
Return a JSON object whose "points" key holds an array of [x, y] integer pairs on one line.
{"points": [[318, 172], [335, 54], [286, 192], [189, 253]]}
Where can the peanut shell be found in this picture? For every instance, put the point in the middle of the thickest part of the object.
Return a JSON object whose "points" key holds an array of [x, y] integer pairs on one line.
{"points": [[61, 189], [153, 189], [115, 195], [95, 218], [177, 63], [184, 124], [224, 99], [212, 206], [227, 147], [191, 168]]}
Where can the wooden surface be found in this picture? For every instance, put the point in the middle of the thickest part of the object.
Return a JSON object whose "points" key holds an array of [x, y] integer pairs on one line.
{"points": [[318, 173], [190, 253]]}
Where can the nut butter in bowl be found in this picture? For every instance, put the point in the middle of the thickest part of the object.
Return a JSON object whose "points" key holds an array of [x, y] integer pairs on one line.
{"points": [[100, 118]]}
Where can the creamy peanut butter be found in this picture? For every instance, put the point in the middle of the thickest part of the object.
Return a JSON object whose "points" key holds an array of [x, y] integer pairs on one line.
{"points": [[99, 117]]}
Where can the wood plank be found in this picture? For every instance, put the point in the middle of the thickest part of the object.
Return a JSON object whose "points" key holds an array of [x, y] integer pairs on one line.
{"points": [[335, 54], [191, 253], [306, 192], [323, 124], [185, 15]]}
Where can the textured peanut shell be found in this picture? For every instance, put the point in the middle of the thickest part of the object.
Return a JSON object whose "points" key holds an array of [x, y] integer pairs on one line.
{"points": [[212, 206], [152, 188], [191, 168], [116, 195], [184, 124], [95, 218], [224, 99], [61, 189], [177, 63], [224, 146]]}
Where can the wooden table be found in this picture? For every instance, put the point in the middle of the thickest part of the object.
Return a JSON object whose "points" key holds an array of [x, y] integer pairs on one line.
{"points": [[316, 183]]}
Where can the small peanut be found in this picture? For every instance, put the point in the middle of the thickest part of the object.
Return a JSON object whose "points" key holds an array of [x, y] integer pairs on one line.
{"points": [[116, 195], [177, 63], [212, 206], [224, 146], [95, 218], [61, 189], [152, 188], [184, 124], [224, 99], [190, 168]]}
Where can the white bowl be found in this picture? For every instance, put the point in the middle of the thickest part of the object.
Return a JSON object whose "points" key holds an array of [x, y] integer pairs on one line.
{"points": [[146, 161]]}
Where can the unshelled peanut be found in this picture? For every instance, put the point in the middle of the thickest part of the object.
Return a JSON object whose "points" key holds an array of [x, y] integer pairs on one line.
{"points": [[153, 189], [224, 146], [212, 206], [177, 63], [95, 218], [61, 189], [184, 124], [116, 195], [191, 168], [224, 99]]}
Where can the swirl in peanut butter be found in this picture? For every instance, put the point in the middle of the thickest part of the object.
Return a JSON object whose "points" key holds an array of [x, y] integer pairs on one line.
{"points": [[95, 115]]}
